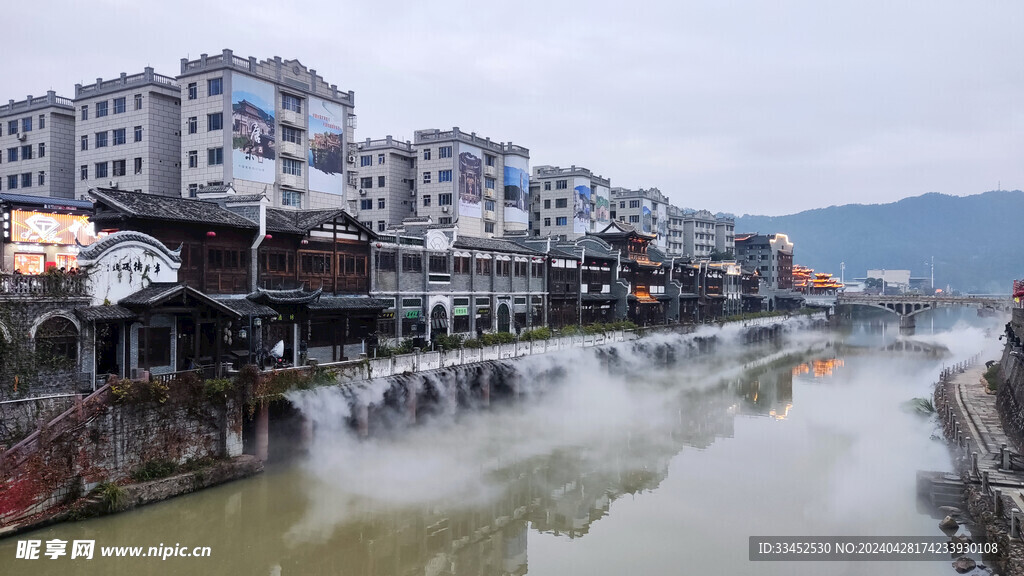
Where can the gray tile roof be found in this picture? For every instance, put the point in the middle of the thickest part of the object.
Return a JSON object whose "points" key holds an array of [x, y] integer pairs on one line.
{"points": [[104, 313], [159, 292], [153, 207], [93, 250], [296, 296], [349, 303], [45, 201], [492, 244], [245, 307]]}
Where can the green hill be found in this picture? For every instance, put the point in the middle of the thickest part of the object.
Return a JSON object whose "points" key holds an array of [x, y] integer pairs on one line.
{"points": [[976, 240]]}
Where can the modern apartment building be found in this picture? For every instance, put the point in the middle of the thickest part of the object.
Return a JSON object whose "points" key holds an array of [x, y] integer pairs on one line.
{"points": [[646, 210], [464, 179], [383, 174], [37, 145], [566, 203], [771, 255], [271, 126], [725, 233], [128, 134]]}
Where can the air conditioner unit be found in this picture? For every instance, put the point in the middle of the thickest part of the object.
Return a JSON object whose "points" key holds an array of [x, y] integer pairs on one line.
{"points": [[362, 192], [22, 136], [351, 159], [444, 209], [412, 192]]}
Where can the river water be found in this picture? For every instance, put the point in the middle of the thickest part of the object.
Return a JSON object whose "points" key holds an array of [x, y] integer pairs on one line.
{"points": [[645, 471]]}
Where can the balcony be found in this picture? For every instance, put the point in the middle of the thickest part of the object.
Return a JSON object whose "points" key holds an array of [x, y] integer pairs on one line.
{"points": [[42, 286]]}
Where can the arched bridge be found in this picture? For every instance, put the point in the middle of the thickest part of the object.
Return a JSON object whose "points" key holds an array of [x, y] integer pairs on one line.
{"points": [[906, 306]]}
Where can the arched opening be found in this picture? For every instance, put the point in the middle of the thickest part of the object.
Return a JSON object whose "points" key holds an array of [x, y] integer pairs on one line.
{"points": [[504, 321], [438, 321], [56, 341]]}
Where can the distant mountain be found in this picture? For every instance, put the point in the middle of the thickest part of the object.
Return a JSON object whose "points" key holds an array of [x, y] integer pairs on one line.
{"points": [[977, 241]]}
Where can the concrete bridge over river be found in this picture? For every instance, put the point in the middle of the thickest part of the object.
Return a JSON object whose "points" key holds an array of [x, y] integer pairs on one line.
{"points": [[907, 306]]}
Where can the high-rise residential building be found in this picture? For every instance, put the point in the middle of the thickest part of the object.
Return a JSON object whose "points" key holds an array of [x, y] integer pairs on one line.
{"points": [[566, 203], [383, 174], [725, 234], [771, 255], [271, 126], [37, 145], [481, 185], [698, 233], [128, 134], [646, 210]]}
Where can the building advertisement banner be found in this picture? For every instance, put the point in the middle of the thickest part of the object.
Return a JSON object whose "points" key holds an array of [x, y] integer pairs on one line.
{"points": [[50, 228], [662, 226], [470, 181], [581, 206], [645, 220], [517, 190], [253, 138], [602, 207], [326, 138]]}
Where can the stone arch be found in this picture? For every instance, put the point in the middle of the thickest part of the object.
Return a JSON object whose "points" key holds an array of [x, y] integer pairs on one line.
{"points": [[66, 314], [504, 317], [5, 333], [439, 320], [57, 333]]}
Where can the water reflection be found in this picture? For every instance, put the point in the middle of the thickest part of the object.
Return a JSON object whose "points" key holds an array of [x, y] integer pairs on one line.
{"points": [[597, 476]]}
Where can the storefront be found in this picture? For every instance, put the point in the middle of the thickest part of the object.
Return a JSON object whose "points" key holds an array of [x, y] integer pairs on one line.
{"points": [[41, 234]]}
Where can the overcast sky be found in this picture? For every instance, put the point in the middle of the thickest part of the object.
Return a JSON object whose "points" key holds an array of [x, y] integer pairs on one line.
{"points": [[745, 107]]}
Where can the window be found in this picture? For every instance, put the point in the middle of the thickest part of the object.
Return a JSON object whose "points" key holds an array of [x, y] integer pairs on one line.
{"points": [[119, 105], [101, 169], [560, 221], [634, 219], [426, 153], [26, 124], [138, 165], [101, 109], [214, 86], [634, 203], [289, 134], [380, 158], [366, 204], [622, 204], [547, 204], [380, 181], [366, 160], [489, 227], [291, 198], [547, 221], [193, 91], [42, 121], [119, 137], [489, 159], [547, 185], [85, 112], [444, 152], [381, 225], [12, 182], [155, 345], [214, 121], [561, 184], [561, 203], [101, 139], [381, 203], [42, 150], [444, 220], [119, 167], [26, 152], [412, 263], [426, 177], [503, 267], [461, 265], [293, 167], [488, 182], [41, 179], [445, 176], [12, 154], [426, 199], [366, 182], [26, 180], [193, 158], [138, 101], [83, 172], [439, 263], [444, 199], [138, 133], [489, 205], [483, 266], [385, 260], [12, 127], [293, 103], [520, 270], [193, 124], [215, 156], [193, 189]]}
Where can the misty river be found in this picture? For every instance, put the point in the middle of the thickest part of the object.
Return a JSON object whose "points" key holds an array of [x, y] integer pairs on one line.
{"points": [[640, 471]]}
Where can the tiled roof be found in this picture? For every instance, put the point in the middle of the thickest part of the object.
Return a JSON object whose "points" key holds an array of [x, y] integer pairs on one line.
{"points": [[349, 303], [151, 206], [45, 200], [245, 307], [104, 313], [93, 250], [492, 244], [297, 296], [302, 221], [159, 292]]}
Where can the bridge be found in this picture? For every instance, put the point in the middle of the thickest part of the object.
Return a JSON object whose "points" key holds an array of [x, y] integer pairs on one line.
{"points": [[907, 306]]}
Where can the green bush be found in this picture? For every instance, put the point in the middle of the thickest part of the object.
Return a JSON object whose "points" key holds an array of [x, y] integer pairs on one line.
{"points": [[153, 470], [992, 377], [536, 334], [471, 343], [218, 388], [448, 341], [113, 496], [492, 338]]}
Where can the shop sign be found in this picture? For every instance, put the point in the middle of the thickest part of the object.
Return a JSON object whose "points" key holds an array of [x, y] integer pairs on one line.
{"points": [[51, 228], [461, 311], [412, 313]]}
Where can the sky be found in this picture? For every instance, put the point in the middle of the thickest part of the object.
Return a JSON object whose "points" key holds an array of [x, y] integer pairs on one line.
{"points": [[759, 107]]}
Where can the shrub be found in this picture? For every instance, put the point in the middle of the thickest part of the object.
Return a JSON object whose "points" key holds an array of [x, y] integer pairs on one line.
{"points": [[134, 391], [112, 495], [543, 333], [448, 341], [492, 338], [154, 469], [471, 343], [992, 377]]}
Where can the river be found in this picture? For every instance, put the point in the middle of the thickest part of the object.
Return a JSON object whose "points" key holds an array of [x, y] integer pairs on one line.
{"points": [[646, 471]]}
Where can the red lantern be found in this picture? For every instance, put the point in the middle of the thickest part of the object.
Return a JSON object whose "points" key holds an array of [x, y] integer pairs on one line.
{"points": [[269, 237], [211, 234], [304, 241]]}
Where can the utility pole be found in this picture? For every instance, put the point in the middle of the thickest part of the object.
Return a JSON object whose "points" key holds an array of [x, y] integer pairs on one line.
{"points": [[842, 272]]}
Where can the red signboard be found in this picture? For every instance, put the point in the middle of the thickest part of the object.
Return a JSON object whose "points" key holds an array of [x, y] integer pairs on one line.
{"points": [[51, 228]]}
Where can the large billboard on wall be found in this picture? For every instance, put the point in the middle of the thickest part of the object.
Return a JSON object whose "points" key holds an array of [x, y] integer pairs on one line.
{"points": [[645, 220], [581, 205], [470, 181], [50, 228], [602, 207], [517, 189], [662, 226], [326, 140], [253, 138]]}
